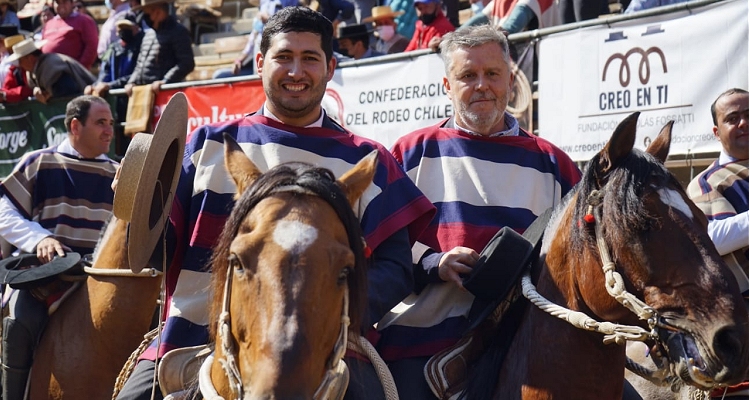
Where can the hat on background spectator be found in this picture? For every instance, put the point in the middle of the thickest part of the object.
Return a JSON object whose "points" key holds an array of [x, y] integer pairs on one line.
{"points": [[24, 48], [381, 12], [8, 30], [125, 23], [350, 31], [11, 41]]}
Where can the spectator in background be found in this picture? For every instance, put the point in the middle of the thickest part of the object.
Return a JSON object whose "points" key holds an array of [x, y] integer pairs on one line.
{"points": [[581, 10], [639, 5], [51, 75], [354, 42], [108, 31], [119, 60], [514, 16], [5, 32], [389, 41], [8, 14], [243, 64], [45, 15], [335, 10], [166, 54], [431, 25], [72, 34], [80, 7], [15, 86]]}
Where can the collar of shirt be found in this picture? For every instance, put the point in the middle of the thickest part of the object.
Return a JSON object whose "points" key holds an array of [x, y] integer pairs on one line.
{"points": [[66, 147], [316, 124], [725, 158], [510, 121]]}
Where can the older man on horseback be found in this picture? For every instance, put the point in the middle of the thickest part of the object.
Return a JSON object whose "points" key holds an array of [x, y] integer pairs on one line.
{"points": [[55, 201], [492, 174]]}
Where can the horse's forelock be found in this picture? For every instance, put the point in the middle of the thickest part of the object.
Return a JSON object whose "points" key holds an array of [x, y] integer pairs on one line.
{"points": [[622, 192]]}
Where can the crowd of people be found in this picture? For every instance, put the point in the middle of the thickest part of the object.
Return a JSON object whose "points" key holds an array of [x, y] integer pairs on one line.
{"points": [[423, 240]]}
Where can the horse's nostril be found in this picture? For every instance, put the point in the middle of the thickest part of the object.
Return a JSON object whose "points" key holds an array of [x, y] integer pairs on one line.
{"points": [[730, 346]]}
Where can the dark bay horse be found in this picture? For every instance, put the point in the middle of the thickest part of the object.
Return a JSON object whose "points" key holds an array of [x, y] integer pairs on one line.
{"points": [[288, 281], [630, 217]]}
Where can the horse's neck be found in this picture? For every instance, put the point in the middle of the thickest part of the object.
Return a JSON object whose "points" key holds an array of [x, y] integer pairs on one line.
{"points": [[551, 356], [112, 250]]}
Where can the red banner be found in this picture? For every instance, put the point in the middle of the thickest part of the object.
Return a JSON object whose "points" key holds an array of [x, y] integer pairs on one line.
{"points": [[215, 103]]}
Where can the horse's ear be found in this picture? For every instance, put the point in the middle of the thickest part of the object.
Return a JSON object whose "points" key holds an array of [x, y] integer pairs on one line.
{"points": [[620, 144], [354, 182], [239, 166], [659, 148]]}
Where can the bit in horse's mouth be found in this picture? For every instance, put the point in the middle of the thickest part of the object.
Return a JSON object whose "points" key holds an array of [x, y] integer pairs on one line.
{"points": [[686, 358]]}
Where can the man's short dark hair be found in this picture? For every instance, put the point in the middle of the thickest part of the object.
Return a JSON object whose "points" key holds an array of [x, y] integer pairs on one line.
{"points": [[726, 93], [299, 19], [365, 39], [79, 108]]}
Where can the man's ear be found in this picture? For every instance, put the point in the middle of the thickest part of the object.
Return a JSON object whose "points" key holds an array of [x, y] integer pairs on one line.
{"points": [[75, 126], [447, 85], [331, 68], [715, 129], [259, 63]]}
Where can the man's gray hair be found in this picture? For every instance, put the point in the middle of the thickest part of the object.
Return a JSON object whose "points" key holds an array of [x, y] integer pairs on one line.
{"points": [[471, 36]]}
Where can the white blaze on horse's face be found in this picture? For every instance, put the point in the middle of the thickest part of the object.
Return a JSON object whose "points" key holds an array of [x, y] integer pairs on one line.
{"points": [[673, 199], [294, 236]]}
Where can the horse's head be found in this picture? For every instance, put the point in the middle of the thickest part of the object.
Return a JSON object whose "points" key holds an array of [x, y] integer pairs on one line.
{"points": [[289, 263], [631, 208]]}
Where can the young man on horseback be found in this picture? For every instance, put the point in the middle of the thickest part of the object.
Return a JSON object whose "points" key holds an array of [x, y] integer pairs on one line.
{"points": [[55, 201], [295, 62], [492, 174]]}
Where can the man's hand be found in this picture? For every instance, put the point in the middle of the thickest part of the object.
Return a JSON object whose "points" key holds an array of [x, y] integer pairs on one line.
{"points": [[236, 67], [435, 43], [459, 260], [156, 86], [101, 89], [129, 89], [116, 178], [41, 95], [88, 89], [48, 248]]}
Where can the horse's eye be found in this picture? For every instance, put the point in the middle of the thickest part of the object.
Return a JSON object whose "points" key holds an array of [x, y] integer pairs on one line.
{"points": [[343, 275], [234, 262]]}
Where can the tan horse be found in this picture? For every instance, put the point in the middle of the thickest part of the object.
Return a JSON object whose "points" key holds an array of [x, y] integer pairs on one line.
{"points": [[91, 335], [287, 266]]}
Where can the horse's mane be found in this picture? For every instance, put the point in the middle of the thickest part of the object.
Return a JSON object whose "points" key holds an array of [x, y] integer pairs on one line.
{"points": [[622, 189], [626, 184], [322, 183]]}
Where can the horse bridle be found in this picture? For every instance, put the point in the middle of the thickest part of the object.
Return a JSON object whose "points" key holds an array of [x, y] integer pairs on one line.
{"points": [[336, 367], [615, 286]]}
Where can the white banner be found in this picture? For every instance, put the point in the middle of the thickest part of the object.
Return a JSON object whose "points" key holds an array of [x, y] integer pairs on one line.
{"points": [[669, 67], [386, 101]]}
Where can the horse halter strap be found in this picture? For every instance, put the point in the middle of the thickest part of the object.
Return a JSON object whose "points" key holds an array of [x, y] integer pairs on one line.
{"points": [[615, 287]]}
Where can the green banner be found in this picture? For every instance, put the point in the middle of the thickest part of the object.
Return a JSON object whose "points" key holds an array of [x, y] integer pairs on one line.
{"points": [[31, 125]]}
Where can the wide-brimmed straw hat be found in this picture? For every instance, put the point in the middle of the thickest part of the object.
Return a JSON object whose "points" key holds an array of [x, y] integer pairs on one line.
{"points": [[381, 12], [148, 178], [24, 48]]}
